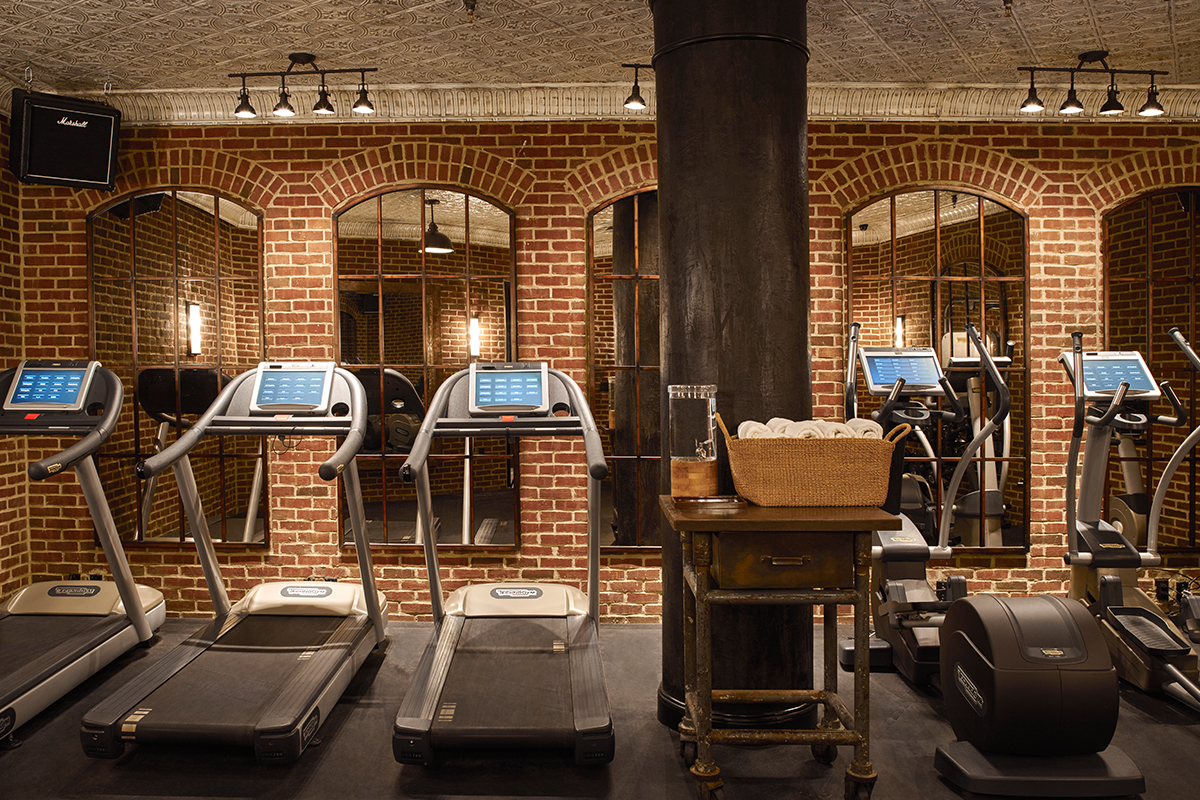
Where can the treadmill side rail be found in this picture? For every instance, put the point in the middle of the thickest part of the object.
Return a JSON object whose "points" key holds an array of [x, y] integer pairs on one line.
{"points": [[412, 733], [594, 739]]}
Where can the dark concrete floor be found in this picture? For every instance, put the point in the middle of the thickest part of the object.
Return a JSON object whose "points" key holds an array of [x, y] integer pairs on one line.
{"points": [[354, 759]]}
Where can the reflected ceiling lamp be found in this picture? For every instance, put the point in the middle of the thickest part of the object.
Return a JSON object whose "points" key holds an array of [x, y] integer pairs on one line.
{"points": [[1112, 105], [284, 107], [435, 240], [635, 102]]}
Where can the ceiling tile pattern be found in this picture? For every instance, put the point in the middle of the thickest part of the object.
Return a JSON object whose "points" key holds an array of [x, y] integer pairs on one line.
{"points": [[168, 60]]}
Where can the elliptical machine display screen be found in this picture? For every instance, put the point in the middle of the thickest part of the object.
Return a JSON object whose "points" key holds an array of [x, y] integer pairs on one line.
{"points": [[919, 367], [1103, 373], [50, 386], [509, 389], [296, 387]]}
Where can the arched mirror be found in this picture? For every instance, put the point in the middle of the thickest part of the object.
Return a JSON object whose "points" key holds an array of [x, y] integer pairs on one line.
{"points": [[1152, 265], [176, 309], [921, 266], [424, 287], [623, 318]]}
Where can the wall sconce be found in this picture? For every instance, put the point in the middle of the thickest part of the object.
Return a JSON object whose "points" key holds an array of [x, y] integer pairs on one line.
{"points": [[635, 102], [192, 311], [284, 107], [473, 336], [1112, 106], [435, 240], [898, 335]]}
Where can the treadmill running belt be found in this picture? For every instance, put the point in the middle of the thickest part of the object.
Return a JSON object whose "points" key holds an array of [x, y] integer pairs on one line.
{"points": [[220, 695], [509, 684], [33, 647]]}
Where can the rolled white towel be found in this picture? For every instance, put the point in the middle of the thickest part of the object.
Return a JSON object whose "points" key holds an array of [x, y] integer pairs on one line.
{"points": [[836, 430], [777, 424], [804, 429], [865, 428], [752, 429]]}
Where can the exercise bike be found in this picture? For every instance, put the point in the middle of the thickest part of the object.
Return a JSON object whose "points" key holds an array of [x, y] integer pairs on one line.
{"points": [[907, 609], [1147, 649]]}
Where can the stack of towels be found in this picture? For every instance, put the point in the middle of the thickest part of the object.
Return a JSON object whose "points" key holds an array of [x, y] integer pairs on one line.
{"points": [[779, 427]]}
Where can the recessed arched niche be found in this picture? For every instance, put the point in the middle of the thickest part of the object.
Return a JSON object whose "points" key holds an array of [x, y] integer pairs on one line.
{"points": [[921, 265], [624, 365], [425, 280], [1151, 270], [176, 310]]}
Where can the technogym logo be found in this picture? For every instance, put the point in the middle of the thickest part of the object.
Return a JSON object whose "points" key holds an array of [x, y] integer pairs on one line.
{"points": [[516, 592], [969, 690], [306, 591], [8, 720], [67, 590]]}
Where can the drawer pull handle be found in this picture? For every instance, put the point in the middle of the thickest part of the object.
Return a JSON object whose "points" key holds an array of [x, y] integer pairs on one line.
{"points": [[787, 561]]}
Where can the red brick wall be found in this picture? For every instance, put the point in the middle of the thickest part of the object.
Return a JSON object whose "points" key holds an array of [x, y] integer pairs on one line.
{"points": [[15, 556], [1062, 175]]}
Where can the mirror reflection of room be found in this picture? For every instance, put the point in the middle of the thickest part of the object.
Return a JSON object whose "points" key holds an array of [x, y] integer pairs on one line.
{"points": [[1150, 275], [625, 391], [922, 266], [176, 310], [425, 281]]}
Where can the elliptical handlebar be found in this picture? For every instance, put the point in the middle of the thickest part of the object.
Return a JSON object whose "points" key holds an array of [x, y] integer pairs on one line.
{"points": [[1177, 335], [114, 396], [942, 550], [850, 399]]}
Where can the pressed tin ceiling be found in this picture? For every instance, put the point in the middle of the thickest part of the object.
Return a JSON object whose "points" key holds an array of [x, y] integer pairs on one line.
{"points": [[167, 61]]}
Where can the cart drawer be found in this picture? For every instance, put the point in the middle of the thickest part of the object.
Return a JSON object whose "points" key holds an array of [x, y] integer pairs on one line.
{"points": [[782, 560]]}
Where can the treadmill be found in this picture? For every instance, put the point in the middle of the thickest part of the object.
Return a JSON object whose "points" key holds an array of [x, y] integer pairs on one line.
{"points": [[266, 672], [510, 665], [56, 634]]}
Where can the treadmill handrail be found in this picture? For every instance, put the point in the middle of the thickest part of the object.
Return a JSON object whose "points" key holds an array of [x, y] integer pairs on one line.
{"points": [[114, 396], [211, 423], [850, 395]]}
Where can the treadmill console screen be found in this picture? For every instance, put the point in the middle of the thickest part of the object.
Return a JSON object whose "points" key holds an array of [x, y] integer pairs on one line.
{"points": [[917, 365], [1103, 373], [292, 387], [509, 389], [50, 385]]}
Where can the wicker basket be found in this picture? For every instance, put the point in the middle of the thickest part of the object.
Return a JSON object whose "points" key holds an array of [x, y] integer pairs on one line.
{"points": [[812, 472]]}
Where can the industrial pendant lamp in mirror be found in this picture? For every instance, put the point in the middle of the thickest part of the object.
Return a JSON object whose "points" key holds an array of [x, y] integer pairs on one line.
{"points": [[635, 102], [1112, 106], [323, 106], [435, 240]]}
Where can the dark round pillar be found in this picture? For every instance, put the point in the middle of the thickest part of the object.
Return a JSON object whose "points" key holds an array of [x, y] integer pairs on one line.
{"points": [[730, 79]]}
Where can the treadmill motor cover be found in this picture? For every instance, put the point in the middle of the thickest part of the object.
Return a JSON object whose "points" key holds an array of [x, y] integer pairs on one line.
{"points": [[305, 598], [1028, 676]]}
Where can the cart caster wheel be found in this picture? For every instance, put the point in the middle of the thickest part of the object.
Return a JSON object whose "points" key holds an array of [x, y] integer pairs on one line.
{"points": [[687, 751], [824, 753], [859, 789]]}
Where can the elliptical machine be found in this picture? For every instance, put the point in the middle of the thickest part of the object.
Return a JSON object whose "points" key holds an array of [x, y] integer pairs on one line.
{"points": [[1147, 649], [907, 609], [1028, 683]]}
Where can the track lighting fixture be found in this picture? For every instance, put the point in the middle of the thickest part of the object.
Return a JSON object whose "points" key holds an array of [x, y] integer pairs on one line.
{"points": [[284, 107], [363, 104], [244, 110], [635, 102], [1112, 106], [1151, 108], [435, 240]]}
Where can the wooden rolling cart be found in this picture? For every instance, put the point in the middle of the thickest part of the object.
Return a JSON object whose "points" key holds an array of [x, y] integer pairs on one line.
{"points": [[741, 553]]}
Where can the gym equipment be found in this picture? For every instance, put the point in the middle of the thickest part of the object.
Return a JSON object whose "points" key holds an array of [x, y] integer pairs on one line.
{"points": [[1147, 649], [56, 634], [509, 664], [265, 672], [161, 399], [907, 610], [1028, 683]]}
